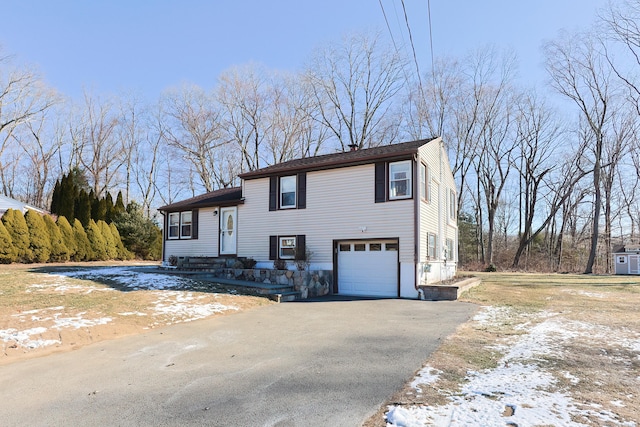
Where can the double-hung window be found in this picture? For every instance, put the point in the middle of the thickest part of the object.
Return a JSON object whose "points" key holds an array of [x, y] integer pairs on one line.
{"points": [[174, 225], [432, 244], [450, 255], [287, 247], [452, 205], [400, 180], [288, 192], [185, 225], [181, 225]]}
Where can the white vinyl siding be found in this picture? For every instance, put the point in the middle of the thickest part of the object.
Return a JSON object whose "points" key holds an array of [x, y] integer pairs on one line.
{"points": [[330, 215], [435, 217], [205, 245]]}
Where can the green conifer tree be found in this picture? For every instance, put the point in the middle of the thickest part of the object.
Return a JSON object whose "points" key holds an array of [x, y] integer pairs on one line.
{"points": [[123, 253], [68, 237], [8, 252], [108, 201], [112, 249], [118, 208], [68, 196], [17, 227], [97, 241], [83, 246], [140, 235], [39, 241], [59, 251], [55, 198], [83, 208]]}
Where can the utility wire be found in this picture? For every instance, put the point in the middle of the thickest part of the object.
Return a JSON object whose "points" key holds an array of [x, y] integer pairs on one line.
{"points": [[413, 49], [388, 26], [433, 72]]}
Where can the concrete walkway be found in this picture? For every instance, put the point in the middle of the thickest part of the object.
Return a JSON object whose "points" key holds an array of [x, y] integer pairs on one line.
{"points": [[317, 363]]}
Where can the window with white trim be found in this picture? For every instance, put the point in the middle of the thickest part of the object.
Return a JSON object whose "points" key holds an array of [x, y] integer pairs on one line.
{"points": [[174, 225], [288, 192], [450, 254], [185, 224], [452, 205], [423, 181], [400, 180], [432, 244], [287, 247]]}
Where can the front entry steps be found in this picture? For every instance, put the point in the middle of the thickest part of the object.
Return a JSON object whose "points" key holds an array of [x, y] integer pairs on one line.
{"points": [[278, 293]]}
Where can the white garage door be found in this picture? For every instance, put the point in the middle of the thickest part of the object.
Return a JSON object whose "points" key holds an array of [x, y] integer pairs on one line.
{"points": [[368, 268]]}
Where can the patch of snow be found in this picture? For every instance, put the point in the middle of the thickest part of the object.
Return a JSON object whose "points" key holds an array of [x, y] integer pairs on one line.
{"points": [[426, 376], [181, 307], [518, 391], [23, 338], [132, 313], [134, 278], [584, 293], [77, 322]]}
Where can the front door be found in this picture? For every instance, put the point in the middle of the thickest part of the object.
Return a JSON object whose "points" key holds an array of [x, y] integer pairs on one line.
{"points": [[228, 231]]}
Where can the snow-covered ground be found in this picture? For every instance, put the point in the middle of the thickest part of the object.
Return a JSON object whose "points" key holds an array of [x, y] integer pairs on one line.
{"points": [[519, 392], [174, 303]]}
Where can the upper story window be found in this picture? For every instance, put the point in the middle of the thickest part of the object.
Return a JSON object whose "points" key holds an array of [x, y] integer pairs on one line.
{"points": [[423, 181], [400, 180], [452, 205], [288, 192]]}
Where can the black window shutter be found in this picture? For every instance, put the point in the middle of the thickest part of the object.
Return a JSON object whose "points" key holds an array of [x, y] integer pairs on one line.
{"points": [[194, 224], [166, 225], [381, 182], [273, 247], [301, 249], [302, 190], [273, 193]]}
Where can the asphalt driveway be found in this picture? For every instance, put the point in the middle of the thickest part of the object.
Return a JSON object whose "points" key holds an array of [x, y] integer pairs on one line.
{"points": [[323, 363]]}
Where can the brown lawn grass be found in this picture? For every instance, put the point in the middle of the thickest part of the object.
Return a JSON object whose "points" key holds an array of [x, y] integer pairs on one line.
{"points": [[592, 369], [32, 298]]}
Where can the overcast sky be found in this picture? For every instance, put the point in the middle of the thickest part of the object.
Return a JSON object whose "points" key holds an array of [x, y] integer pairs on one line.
{"points": [[147, 46]]}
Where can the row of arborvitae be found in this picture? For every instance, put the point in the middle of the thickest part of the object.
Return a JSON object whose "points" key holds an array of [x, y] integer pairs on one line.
{"points": [[37, 238]]}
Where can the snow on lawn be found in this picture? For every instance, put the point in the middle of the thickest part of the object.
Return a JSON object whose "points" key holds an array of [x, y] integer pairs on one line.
{"points": [[517, 392], [134, 278], [181, 306], [31, 338], [177, 306]]}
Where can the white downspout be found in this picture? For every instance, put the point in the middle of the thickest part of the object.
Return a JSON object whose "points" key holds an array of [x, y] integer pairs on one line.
{"points": [[441, 205]]}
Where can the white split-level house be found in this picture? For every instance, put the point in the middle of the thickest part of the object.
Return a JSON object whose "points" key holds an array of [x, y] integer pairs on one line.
{"points": [[382, 220], [9, 203]]}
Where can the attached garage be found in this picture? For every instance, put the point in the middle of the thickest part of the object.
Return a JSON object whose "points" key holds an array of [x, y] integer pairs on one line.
{"points": [[368, 267]]}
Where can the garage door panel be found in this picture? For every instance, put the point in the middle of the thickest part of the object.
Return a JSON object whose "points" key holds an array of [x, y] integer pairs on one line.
{"points": [[370, 270]]}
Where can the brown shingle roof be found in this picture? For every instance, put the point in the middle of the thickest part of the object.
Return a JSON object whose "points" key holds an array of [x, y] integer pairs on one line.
{"points": [[222, 197], [338, 160]]}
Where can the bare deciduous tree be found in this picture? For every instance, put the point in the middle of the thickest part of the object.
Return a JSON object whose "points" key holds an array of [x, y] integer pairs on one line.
{"points": [[354, 84], [193, 125], [580, 72]]}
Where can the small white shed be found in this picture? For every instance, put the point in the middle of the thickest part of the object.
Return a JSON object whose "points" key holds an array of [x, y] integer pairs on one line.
{"points": [[627, 259]]}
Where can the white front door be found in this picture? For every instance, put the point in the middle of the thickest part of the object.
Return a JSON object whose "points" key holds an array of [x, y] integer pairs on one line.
{"points": [[228, 230]]}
